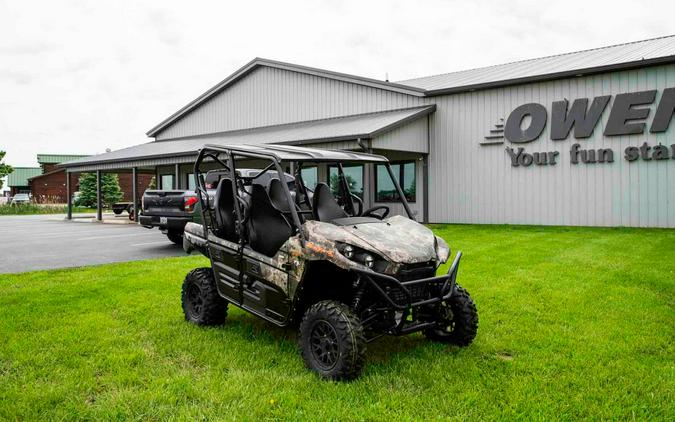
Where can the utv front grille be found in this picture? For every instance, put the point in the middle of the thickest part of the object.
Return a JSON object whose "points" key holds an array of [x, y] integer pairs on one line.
{"points": [[416, 271], [418, 291]]}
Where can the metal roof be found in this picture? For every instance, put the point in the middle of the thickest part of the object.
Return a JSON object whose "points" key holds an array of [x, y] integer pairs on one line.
{"points": [[257, 62], [20, 175], [57, 158], [295, 153], [616, 57], [364, 126], [621, 56]]}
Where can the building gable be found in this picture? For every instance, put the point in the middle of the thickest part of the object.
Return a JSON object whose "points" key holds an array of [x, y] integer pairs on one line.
{"points": [[268, 96]]}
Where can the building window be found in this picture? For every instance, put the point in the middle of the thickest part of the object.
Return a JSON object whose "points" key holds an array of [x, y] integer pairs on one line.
{"points": [[166, 181], [404, 172], [191, 181], [354, 175], [310, 176]]}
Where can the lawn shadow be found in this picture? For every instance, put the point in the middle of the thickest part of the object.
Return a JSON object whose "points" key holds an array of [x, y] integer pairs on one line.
{"points": [[283, 342]]}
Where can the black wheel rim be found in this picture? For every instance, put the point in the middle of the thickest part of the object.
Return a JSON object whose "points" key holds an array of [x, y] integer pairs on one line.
{"points": [[194, 301], [447, 326], [324, 344]]}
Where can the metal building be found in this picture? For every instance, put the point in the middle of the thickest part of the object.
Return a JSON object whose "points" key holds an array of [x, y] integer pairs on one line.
{"points": [[583, 138]]}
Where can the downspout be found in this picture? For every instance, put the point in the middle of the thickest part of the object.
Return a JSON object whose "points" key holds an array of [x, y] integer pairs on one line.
{"points": [[425, 174]]}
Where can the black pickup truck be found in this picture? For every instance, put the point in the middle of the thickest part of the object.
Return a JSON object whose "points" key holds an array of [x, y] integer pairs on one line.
{"points": [[171, 210]]}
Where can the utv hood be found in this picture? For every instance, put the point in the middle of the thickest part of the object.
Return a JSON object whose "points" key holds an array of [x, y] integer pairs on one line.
{"points": [[397, 239]]}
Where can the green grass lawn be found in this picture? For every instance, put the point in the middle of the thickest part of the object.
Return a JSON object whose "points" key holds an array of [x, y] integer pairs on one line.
{"points": [[574, 323], [30, 209]]}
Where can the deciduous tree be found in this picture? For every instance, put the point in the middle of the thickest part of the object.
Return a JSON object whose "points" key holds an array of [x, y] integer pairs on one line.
{"points": [[5, 169]]}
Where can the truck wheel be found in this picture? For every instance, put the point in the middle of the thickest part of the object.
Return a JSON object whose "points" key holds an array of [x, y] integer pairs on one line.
{"points": [[331, 341], [117, 212], [202, 305], [175, 236], [460, 325]]}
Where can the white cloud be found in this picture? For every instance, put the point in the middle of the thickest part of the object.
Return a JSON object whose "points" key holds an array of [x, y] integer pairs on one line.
{"points": [[82, 76]]}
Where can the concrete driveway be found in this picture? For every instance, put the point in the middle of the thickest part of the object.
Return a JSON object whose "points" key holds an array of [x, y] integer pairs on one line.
{"points": [[38, 242]]}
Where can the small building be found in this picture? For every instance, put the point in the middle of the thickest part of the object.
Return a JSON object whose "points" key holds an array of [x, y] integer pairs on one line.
{"points": [[583, 138], [49, 187], [47, 184], [18, 180]]}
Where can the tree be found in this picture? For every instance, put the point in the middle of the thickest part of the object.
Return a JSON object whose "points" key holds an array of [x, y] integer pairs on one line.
{"points": [[335, 184], [110, 189], [5, 169]]}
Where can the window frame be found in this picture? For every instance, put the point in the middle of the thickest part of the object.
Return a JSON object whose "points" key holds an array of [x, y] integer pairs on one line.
{"points": [[363, 176], [190, 178], [161, 181], [316, 169], [400, 180]]}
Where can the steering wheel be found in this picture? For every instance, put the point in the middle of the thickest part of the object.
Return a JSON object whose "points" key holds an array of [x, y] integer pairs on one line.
{"points": [[370, 212]]}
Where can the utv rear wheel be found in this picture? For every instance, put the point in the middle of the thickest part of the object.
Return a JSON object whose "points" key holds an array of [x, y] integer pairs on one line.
{"points": [[332, 341], [175, 236], [459, 323], [202, 305]]}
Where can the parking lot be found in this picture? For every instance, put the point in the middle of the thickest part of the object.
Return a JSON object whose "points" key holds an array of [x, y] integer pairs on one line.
{"points": [[38, 242]]}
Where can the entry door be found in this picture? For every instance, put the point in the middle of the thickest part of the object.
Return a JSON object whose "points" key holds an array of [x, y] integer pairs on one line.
{"points": [[226, 264], [266, 284]]}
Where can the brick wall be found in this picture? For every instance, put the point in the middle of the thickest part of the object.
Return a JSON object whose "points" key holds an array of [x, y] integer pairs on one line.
{"points": [[51, 188], [125, 184], [47, 167]]}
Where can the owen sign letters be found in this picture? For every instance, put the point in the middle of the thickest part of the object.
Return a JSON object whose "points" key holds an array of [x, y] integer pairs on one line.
{"points": [[628, 115]]}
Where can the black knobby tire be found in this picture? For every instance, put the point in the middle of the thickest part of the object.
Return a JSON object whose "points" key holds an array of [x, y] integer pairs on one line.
{"points": [[331, 341], [461, 329], [202, 305], [175, 236]]}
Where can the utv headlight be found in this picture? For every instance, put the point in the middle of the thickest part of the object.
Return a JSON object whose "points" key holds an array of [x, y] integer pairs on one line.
{"points": [[348, 251], [442, 250], [361, 256]]}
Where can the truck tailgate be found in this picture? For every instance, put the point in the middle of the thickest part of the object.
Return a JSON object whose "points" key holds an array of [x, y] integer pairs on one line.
{"points": [[164, 202]]}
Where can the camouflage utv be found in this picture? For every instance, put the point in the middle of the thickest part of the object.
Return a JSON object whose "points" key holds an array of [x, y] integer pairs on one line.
{"points": [[292, 251]]}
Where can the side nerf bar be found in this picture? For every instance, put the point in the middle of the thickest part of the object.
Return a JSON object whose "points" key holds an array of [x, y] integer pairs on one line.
{"points": [[446, 291]]}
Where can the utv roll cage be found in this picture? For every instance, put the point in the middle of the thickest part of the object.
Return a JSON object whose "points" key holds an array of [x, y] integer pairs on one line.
{"points": [[397, 295], [279, 154]]}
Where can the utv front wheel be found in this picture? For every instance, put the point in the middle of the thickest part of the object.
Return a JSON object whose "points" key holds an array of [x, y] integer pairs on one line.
{"points": [[458, 322], [202, 305], [332, 341]]}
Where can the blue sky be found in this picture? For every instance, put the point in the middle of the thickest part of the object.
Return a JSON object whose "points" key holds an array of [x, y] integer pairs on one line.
{"points": [[82, 76]]}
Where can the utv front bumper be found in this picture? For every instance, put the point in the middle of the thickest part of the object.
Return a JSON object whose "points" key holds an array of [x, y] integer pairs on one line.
{"points": [[410, 298]]}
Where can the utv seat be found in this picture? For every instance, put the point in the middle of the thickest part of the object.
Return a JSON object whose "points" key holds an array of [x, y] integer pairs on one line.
{"points": [[278, 196], [325, 205], [267, 227], [224, 210]]}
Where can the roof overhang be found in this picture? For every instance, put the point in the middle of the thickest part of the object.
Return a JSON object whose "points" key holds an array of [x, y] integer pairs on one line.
{"points": [[354, 127]]}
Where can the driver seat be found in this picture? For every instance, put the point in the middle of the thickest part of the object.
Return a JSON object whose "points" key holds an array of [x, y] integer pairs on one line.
{"points": [[325, 205]]}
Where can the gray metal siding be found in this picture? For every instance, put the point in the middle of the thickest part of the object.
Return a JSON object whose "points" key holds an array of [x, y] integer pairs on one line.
{"points": [[269, 96], [411, 137], [470, 183]]}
